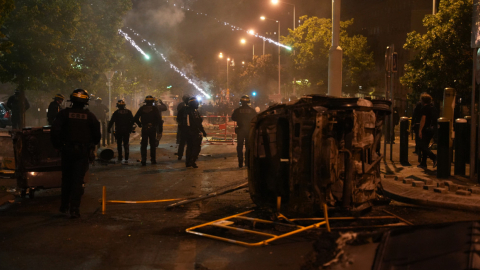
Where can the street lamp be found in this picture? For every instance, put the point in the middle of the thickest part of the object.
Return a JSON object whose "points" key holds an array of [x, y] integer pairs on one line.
{"points": [[244, 41], [275, 2], [228, 63], [263, 18]]}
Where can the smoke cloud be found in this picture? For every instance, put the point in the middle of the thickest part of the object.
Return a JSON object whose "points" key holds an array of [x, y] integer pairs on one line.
{"points": [[151, 14]]}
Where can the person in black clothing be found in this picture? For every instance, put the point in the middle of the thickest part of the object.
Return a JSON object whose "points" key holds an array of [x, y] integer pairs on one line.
{"points": [[75, 132], [416, 117], [243, 116], [100, 110], [123, 120], [161, 107], [193, 130], [13, 103], [54, 108], [148, 118], [426, 131], [181, 138]]}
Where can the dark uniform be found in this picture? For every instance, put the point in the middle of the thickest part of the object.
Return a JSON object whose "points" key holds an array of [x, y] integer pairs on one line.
{"points": [[13, 103], [123, 120], [100, 110], [161, 107], [75, 131], [54, 108], [243, 116], [193, 130], [148, 118], [181, 138]]}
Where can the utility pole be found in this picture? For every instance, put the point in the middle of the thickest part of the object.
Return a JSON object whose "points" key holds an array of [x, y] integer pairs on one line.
{"points": [[279, 85], [335, 54], [109, 75]]}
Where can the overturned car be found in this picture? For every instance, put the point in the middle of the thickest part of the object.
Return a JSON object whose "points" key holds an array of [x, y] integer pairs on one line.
{"points": [[319, 150]]}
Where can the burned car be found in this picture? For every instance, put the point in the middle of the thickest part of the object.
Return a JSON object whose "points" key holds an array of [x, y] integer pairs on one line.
{"points": [[318, 150]]}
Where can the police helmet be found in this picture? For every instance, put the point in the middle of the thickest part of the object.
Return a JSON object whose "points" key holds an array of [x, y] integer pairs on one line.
{"points": [[245, 100], [193, 102], [121, 104], [149, 99], [59, 97], [79, 96], [186, 98]]}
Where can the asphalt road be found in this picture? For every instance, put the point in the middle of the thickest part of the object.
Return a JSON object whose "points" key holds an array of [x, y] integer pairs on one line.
{"points": [[33, 235]]}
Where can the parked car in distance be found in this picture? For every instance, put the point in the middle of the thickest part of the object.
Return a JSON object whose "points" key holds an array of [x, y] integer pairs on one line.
{"points": [[5, 116]]}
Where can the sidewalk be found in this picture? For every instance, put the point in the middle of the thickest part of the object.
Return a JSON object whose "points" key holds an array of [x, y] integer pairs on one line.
{"points": [[410, 184]]}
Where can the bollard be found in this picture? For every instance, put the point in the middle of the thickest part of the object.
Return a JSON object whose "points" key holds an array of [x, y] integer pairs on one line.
{"points": [[104, 200], [461, 140], [468, 135], [404, 123], [443, 148]]}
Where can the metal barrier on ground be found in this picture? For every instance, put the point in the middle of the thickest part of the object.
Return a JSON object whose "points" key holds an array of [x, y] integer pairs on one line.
{"points": [[219, 129]]}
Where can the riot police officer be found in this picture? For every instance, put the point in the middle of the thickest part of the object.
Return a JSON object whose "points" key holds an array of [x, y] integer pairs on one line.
{"points": [[100, 110], [181, 138], [193, 128], [243, 116], [123, 119], [54, 108], [75, 132], [161, 107], [148, 118]]}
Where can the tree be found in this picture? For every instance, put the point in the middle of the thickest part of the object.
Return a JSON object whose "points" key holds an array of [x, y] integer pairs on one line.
{"points": [[260, 74], [58, 44], [6, 6], [443, 57], [311, 42]]}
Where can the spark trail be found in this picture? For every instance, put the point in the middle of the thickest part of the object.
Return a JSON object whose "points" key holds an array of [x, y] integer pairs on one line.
{"points": [[133, 43], [172, 66], [236, 28]]}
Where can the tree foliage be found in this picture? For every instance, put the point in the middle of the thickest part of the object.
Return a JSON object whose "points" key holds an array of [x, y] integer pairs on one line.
{"points": [[443, 57], [311, 42], [61, 44], [261, 74], [6, 6]]}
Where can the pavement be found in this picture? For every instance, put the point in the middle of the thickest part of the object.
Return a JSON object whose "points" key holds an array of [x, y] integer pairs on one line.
{"points": [[410, 184], [34, 235]]}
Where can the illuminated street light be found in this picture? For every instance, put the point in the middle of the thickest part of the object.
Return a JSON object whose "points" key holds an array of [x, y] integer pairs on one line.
{"points": [[243, 41], [262, 18], [243, 62], [220, 55], [251, 32], [274, 2]]}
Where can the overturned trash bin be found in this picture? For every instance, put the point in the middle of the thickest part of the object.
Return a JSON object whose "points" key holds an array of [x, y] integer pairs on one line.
{"points": [[37, 163], [319, 150]]}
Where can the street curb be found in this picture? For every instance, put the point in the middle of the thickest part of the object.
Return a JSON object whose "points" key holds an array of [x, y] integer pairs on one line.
{"points": [[446, 201]]}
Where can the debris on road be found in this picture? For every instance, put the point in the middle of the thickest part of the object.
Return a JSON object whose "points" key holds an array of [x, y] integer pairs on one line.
{"points": [[207, 196]]}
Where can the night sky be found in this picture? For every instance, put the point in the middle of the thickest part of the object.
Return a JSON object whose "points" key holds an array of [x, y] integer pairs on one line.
{"points": [[202, 37]]}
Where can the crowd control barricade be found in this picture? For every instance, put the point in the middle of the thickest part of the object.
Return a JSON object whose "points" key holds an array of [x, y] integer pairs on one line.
{"points": [[218, 128]]}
